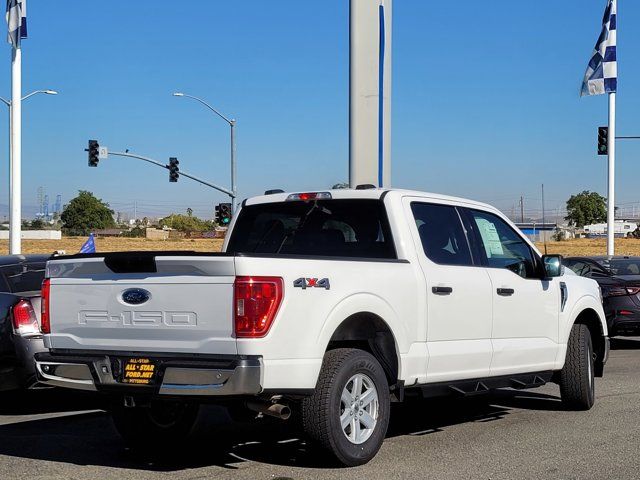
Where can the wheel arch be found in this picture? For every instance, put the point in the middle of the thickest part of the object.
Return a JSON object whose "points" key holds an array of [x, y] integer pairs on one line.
{"points": [[369, 332], [368, 322]]}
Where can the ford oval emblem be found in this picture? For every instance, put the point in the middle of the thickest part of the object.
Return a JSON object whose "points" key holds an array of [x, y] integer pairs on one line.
{"points": [[135, 296]]}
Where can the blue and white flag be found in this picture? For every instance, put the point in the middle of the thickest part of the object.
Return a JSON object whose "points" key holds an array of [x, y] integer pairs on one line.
{"points": [[89, 246], [602, 73], [16, 21]]}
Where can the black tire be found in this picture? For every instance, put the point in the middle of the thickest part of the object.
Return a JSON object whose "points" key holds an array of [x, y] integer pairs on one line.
{"points": [[321, 412], [577, 385], [157, 424]]}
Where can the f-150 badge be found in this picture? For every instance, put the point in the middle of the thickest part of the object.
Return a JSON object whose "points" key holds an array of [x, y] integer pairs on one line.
{"points": [[305, 283]]}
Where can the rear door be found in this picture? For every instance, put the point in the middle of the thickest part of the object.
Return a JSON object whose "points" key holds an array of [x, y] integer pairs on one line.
{"points": [[143, 303], [458, 295], [525, 306]]}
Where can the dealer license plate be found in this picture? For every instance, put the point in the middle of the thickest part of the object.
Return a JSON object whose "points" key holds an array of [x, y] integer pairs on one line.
{"points": [[141, 371]]}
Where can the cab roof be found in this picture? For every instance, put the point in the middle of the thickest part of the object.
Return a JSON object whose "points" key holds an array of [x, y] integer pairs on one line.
{"points": [[372, 193]]}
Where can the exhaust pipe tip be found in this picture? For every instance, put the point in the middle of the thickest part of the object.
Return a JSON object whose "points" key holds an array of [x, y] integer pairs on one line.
{"points": [[277, 410]]}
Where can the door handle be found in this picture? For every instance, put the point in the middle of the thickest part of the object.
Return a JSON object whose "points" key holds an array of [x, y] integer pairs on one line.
{"points": [[506, 292], [442, 290]]}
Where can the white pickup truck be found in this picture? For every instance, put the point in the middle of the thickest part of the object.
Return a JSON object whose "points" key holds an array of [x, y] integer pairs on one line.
{"points": [[326, 306]]}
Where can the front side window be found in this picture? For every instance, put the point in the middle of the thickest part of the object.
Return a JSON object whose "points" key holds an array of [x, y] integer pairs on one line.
{"points": [[501, 246], [442, 234]]}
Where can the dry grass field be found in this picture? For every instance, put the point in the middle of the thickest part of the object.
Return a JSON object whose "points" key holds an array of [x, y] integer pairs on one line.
{"points": [[583, 246], [586, 246], [113, 244]]}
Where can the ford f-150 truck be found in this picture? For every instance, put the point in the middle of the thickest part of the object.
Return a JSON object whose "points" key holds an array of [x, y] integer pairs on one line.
{"points": [[326, 306]]}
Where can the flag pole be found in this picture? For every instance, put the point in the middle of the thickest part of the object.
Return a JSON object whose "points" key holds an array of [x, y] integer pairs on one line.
{"points": [[611, 149], [15, 182]]}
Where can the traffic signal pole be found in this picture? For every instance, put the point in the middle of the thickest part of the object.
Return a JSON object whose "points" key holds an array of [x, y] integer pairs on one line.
{"points": [[181, 173]]}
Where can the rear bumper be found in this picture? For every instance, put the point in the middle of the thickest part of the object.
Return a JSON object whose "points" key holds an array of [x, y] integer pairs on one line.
{"points": [[224, 375], [19, 370], [624, 324]]}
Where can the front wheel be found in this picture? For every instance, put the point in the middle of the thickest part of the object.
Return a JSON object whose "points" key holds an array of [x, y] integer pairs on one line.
{"points": [[157, 424], [577, 385], [348, 413]]}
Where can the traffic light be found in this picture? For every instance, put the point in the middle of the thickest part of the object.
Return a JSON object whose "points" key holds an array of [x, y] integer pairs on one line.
{"points": [[603, 140], [223, 213], [93, 150], [174, 170]]}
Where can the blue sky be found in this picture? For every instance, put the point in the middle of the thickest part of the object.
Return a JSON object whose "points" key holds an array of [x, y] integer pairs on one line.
{"points": [[485, 98]]}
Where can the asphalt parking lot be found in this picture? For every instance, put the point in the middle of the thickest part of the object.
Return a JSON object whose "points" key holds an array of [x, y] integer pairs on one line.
{"points": [[509, 434]]}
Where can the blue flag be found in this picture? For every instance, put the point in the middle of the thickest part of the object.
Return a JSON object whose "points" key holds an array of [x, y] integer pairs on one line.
{"points": [[89, 246]]}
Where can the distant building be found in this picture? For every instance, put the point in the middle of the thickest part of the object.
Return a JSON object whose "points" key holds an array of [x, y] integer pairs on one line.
{"points": [[538, 232]]}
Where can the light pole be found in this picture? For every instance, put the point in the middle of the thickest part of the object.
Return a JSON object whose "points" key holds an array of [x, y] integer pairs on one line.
{"points": [[15, 181], [232, 124]]}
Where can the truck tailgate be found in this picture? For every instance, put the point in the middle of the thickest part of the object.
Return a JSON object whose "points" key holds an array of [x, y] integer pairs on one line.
{"points": [[149, 302]]}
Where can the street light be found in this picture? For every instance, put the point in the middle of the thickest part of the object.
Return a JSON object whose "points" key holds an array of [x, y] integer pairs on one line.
{"points": [[15, 181], [232, 124], [46, 92]]}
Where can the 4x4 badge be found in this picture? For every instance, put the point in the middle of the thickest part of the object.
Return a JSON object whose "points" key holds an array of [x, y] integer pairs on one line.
{"points": [[305, 283]]}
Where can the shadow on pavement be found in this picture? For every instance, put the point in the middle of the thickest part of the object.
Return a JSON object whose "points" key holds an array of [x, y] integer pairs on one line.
{"points": [[90, 438], [618, 343], [34, 402]]}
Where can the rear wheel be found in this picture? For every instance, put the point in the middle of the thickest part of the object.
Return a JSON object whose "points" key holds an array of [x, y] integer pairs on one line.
{"points": [[577, 385], [348, 413], [156, 424]]}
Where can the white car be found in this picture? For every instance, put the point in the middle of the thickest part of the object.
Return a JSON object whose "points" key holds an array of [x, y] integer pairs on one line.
{"points": [[331, 304]]}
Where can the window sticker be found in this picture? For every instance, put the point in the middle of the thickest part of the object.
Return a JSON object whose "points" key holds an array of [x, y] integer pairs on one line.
{"points": [[490, 237]]}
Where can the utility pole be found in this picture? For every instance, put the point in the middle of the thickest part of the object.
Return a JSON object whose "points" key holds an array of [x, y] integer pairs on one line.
{"points": [[521, 209]]}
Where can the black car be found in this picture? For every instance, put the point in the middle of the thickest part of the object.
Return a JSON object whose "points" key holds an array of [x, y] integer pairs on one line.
{"points": [[619, 280], [20, 338]]}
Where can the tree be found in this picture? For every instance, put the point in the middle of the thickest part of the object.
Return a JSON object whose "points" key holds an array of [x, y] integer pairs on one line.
{"points": [[86, 213], [586, 208], [37, 224], [186, 223], [189, 212]]}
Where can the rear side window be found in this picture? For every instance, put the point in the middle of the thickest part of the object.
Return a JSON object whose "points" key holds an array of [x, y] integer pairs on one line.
{"points": [[26, 277], [443, 238], [342, 228]]}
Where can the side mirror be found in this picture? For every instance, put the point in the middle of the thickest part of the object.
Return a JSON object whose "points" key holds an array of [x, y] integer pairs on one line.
{"points": [[552, 265]]}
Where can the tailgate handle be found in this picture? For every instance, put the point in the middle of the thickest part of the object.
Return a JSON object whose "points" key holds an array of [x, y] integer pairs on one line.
{"points": [[442, 290]]}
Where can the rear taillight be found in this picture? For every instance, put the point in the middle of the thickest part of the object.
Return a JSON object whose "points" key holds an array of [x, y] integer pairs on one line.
{"points": [[24, 319], [619, 291], [256, 301], [45, 324]]}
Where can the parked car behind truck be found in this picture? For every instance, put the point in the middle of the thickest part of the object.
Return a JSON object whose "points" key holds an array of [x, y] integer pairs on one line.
{"points": [[20, 337], [329, 304], [619, 280]]}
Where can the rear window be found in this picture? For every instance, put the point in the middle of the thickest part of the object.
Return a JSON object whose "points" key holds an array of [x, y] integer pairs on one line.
{"points": [[622, 266], [342, 228], [25, 277]]}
